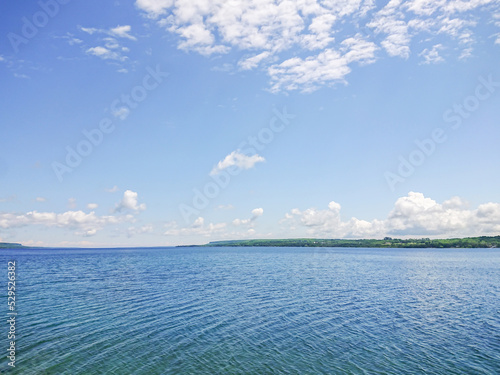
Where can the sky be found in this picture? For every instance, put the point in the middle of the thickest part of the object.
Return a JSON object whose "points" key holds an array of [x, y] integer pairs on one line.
{"points": [[174, 122]]}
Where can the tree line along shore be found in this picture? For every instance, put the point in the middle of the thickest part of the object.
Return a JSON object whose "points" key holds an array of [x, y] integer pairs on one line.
{"points": [[387, 242]]}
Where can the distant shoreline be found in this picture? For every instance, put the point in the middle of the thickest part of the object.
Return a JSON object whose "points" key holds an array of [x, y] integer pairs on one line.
{"points": [[388, 242]]}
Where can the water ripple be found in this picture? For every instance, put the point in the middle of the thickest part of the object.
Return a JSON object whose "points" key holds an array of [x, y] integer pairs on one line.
{"points": [[258, 311]]}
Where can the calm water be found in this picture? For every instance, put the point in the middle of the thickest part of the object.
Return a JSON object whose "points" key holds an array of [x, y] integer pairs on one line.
{"points": [[255, 311]]}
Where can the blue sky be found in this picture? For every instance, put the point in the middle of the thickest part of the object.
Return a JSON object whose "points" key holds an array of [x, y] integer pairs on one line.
{"points": [[167, 122]]}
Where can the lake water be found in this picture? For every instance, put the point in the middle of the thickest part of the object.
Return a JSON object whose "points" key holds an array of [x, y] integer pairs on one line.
{"points": [[254, 311]]}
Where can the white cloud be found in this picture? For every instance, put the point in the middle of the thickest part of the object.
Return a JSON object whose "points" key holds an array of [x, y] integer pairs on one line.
{"points": [[112, 48], [237, 159], [70, 38], [114, 189], [105, 53], [88, 233], [40, 199], [253, 62], [390, 21], [198, 223], [89, 30], [121, 113], [85, 224], [309, 74], [111, 43], [122, 32], [357, 49], [432, 56], [198, 228], [2, 58], [118, 31], [320, 32], [132, 231], [413, 215], [92, 206], [424, 7], [130, 202], [291, 39], [154, 8], [256, 212], [459, 6]]}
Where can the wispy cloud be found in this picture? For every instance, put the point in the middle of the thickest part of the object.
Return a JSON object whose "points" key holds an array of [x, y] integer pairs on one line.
{"points": [[432, 56], [72, 203], [133, 231], [198, 228], [114, 189], [109, 42], [105, 53], [121, 112], [256, 212], [237, 159], [122, 32], [118, 31]]}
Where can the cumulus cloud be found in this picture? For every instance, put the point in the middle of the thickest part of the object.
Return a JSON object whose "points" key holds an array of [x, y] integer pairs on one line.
{"points": [[318, 32], [413, 215], [92, 206], [256, 212], [85, 224], [129, 202], [237, 159]]}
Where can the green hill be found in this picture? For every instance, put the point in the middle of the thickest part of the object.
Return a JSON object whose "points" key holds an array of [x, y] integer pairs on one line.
{"points": [[8, 245]]}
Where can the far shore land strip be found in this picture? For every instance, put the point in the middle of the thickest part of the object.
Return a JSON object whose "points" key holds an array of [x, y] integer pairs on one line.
{"points": [[387, 242]]}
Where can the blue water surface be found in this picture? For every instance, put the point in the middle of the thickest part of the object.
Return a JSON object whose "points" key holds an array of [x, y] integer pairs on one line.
{"points": [[254, 311]]}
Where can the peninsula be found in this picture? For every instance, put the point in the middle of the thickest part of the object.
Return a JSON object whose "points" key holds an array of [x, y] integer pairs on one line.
{"points": [[9, 245]]}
